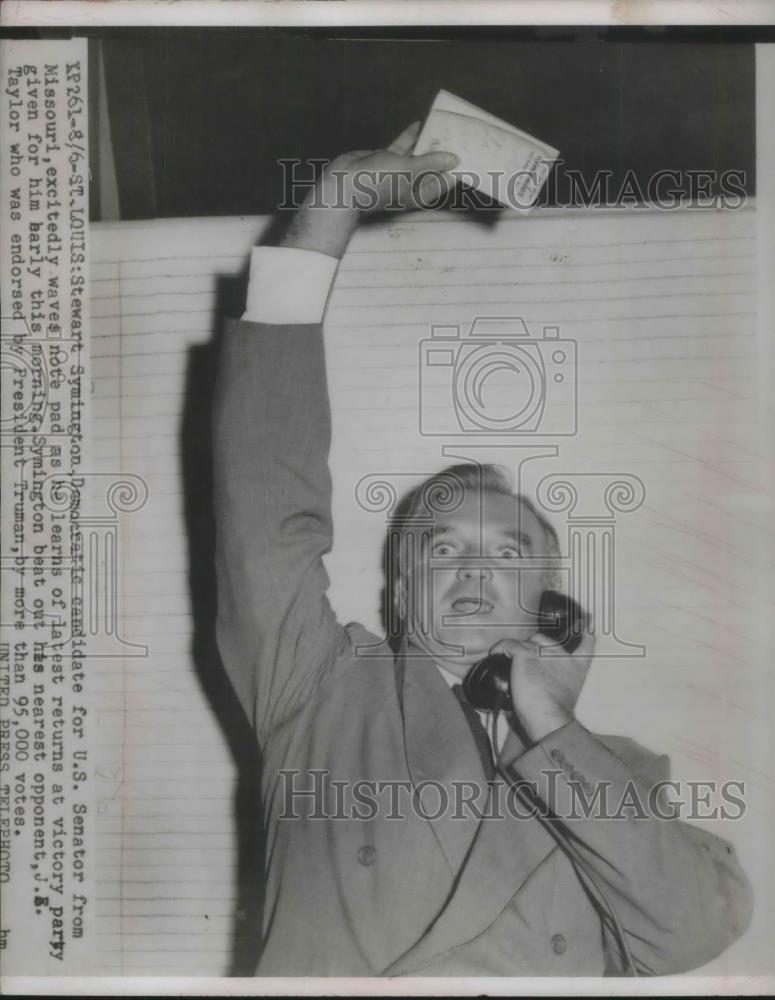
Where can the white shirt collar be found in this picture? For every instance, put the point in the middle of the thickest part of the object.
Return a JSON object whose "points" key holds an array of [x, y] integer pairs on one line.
{"points": [[448, 676]]}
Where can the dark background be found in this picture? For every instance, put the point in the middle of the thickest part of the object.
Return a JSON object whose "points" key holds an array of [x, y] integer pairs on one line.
{"points": [[199, 119]]}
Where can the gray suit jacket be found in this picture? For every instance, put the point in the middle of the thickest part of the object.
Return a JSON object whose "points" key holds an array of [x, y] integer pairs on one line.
{"points": [[442, 895]]}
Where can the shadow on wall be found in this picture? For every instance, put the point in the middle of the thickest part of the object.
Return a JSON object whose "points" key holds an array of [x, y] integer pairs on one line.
{"points": [[197, 472]]}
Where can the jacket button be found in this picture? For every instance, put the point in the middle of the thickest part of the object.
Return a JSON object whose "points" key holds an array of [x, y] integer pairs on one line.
{"points": [[559, 944], [367, 855]]}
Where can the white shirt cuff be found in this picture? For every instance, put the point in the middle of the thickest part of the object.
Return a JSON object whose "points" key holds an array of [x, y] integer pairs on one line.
{"points": [[288, 285]]}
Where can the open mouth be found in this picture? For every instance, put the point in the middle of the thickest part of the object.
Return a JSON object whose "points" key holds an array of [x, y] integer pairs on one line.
{"points": [[472, 606]]}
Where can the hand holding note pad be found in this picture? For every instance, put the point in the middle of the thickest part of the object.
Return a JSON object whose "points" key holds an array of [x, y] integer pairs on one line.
{"points": [[497, 159]]}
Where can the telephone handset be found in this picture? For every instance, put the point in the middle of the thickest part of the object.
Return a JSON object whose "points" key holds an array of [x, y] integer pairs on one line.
{"points": [[487, 683]]}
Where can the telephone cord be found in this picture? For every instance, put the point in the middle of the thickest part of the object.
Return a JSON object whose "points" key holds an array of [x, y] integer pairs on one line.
{"points": [[571, 849]]}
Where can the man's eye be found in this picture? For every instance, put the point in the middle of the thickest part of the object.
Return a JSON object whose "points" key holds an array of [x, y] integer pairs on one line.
{"points": [[509, 552], [443, 549]]}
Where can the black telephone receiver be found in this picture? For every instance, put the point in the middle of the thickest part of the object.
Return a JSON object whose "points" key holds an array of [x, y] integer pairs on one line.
{"points": [[487, 685]]}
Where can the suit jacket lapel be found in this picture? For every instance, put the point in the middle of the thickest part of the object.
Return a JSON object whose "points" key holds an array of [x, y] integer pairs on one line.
{"points": [[491, 858], [440, 748]]}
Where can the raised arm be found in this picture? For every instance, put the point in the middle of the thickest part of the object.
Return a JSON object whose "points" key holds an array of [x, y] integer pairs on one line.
{"points": [[276, 631]]}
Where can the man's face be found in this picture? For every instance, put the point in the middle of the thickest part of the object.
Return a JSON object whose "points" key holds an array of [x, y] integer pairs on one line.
{"points": [[481, 582]]}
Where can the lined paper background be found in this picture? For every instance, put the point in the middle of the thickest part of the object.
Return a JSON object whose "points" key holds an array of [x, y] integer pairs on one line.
{"points": [[663, 307]]}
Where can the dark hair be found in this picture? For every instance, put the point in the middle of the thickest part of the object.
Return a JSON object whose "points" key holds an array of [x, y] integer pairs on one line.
{"points": [[444, 491]]}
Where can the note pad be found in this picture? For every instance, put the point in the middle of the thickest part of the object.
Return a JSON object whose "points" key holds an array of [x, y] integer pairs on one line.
{"points": [[496, 158]]}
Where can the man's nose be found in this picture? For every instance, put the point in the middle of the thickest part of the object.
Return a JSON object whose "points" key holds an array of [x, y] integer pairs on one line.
{"points": [[469, 572]]}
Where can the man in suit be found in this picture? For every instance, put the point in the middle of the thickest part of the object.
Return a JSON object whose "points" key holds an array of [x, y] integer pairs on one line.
{"points": [[417, 890]]}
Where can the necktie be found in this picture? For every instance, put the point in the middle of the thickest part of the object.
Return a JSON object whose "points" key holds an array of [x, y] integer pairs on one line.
{"points": [[481, 738]]}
